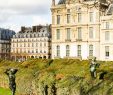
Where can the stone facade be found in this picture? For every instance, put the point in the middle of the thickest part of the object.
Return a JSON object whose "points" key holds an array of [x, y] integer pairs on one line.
{"points": [[106, 38], [5, 43], [77, 30], [31, 43]]}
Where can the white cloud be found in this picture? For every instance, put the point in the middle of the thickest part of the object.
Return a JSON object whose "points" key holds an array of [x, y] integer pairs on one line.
{"points": [[25, 6], [40, 20], [17, 13]]}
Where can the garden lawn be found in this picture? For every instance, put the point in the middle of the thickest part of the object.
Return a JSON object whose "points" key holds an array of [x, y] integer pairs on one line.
{"points": [[4, 91]]}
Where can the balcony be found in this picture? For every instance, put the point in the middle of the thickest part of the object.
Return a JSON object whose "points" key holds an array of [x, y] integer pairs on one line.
{"points": [[67, 40], [78, 40]]}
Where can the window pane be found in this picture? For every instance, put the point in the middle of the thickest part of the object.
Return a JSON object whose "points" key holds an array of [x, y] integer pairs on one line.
{"points": [[68, 10], [91, 32], [91, 16], [90, 50], [58, 34], [107, 35], [58, 51], [107, 51], [79, 17], [107, 25], [79, 50], [79, 33], [68, 33], [67, 50], [58, 19], [68, 18]]}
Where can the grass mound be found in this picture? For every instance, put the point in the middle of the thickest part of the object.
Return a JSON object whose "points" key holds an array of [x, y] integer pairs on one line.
{"points": [[69, 75]]}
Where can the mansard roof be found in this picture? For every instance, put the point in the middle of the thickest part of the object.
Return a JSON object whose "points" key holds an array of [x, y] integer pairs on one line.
{"points": [[110, 9], [61, 2]]}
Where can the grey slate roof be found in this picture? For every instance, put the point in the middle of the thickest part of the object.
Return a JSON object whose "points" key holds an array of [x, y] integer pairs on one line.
{"points": [[110, 9], [61, 2]]}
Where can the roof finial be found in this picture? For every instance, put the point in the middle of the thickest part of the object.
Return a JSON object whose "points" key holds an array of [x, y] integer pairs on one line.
{"points": [[53, 2]]}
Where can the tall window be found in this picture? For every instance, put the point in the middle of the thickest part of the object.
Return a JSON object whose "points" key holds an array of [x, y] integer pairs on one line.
{"points": [[28, 51], [58, 19], [90, 32], [24, 45], [91, 16], [58, 34], [107, 25], [68, 18], [17, 45], [67, 50], [28, 44], [45, 44], [20, 50], [107, 35], [36, 44], [79, 33], [58, 51], [32, 44], [68, 15], [106, 51], [79, 50], [90, 50], [68, 33], [13, 45], [40, 44], [36, 50], [79, 17]]}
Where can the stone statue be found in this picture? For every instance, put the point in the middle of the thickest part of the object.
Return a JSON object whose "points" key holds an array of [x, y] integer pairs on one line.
{"points": [[11, 74], [93, 67]]}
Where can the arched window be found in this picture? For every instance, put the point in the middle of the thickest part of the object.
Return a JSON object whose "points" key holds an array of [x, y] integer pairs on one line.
{"points": [[67, 50], [30, 35], [32, 51], [90, 50], [26, 36], [58, 51]]}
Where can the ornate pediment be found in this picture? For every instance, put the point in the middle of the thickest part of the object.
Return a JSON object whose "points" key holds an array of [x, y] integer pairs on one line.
{"points": [[71, 1]]}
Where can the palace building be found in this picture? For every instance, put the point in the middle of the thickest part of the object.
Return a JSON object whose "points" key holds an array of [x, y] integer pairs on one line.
{"points": [[82, 29], [31, 42]]}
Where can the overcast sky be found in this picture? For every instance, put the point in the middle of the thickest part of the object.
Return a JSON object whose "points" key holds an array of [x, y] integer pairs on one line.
{"points": [[17, 13]]}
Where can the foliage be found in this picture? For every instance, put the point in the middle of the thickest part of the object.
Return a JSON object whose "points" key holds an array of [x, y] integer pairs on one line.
{"points": [[70, 76]]}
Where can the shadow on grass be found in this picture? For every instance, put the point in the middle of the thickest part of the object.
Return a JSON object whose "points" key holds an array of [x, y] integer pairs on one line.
{"points": [[91, 90]]}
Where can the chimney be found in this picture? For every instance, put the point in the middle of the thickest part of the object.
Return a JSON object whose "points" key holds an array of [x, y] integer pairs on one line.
{"points": [[22, 29], [53, 2]]}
